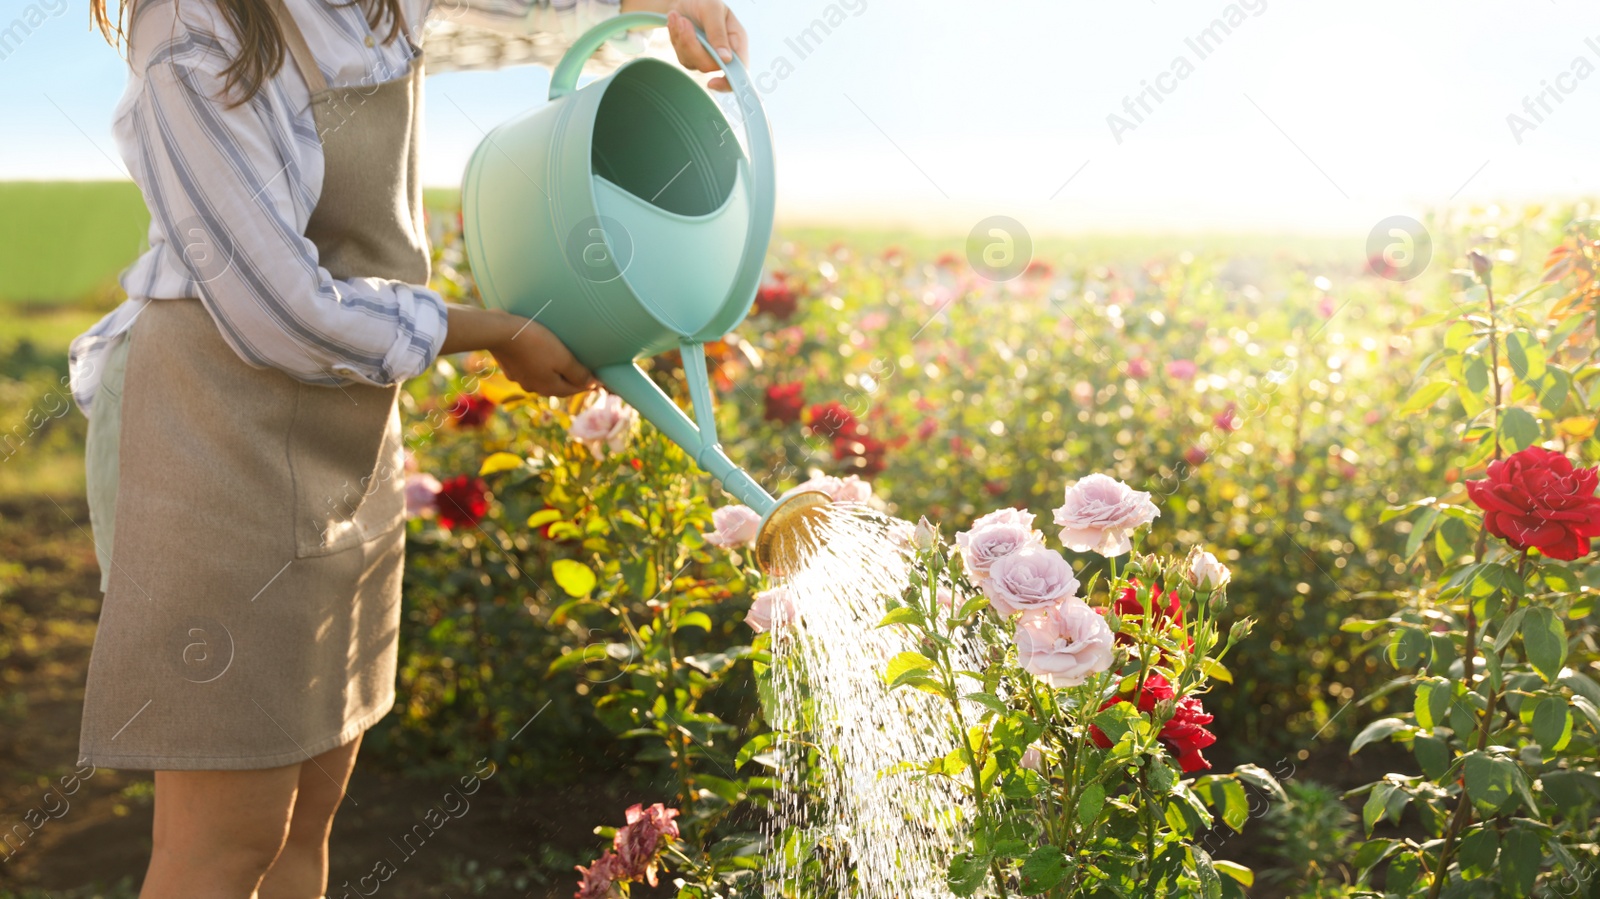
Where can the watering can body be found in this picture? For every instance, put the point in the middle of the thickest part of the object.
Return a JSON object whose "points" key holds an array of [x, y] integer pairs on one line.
{"points": [[626, 218]]}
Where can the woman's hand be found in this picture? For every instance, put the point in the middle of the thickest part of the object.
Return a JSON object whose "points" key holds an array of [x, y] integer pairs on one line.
{"points": [[721, 26], [527, 352]]}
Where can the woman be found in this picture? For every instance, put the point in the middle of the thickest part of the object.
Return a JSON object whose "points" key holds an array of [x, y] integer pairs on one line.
{"points": [[244, 443]]}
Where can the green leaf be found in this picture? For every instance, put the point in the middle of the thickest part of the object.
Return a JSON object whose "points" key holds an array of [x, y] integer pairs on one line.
{"points": [[968, 871], [1257, 776], [1518, 429], [1520, 856], [498, 462], [1479, 850], [574, 577], [1385, 802], [905, 666], [1379, 730], [1238, 872], [695, 619], [543, 517], [1526, 355], [1420, 531], [1045, 868], [1090, 802], [1433, 755], [1236, 805], [1432, 702], [1553, 389], [1452, 540], [1489, 779], [1545, 639], [990, 702], [753, 747], [1425, 396], [1206, 872], [902, 615], [1552, 724]]}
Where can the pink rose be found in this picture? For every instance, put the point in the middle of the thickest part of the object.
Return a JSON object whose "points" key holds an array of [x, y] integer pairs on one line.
{"points": [[421, 491], [1065, 645], [604, 424], [1031, 580], [735, 526], [1139, 368], [1019, 517], [1101, 513], [1182, 369], [841, 490], [988, 543], [772, 608]]}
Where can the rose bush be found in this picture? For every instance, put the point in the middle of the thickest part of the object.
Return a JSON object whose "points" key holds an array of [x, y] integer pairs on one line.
{"points": [[1076, 785], [1496, 649]]}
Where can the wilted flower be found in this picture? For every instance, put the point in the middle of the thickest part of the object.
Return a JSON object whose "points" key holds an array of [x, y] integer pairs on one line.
{"points": [[604, 424], [599, 877], [1066, 645], [734, 526], [1205, 572], [1101, 514], [640, 842], [772, 608], [1031, 579], [420, 491]]}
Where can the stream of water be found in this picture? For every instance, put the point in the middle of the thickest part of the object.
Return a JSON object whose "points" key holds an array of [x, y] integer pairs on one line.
{"points": [[874, 831]]}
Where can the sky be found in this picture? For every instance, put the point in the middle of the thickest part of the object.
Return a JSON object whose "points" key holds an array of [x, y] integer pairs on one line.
{"points": [[1308, 116]]}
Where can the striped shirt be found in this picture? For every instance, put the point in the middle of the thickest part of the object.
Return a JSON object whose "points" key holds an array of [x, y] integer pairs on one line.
{"points": [[258, 168]]}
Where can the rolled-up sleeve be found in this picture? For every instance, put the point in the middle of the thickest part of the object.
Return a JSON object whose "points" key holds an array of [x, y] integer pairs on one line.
{"points": [[222, 184]]}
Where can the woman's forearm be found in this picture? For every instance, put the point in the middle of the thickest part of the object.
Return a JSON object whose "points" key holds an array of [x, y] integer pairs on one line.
{"points": [[472, 328]]}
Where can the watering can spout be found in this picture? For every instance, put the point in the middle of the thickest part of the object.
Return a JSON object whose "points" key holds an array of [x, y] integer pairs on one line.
{"points": [[788, 532]]}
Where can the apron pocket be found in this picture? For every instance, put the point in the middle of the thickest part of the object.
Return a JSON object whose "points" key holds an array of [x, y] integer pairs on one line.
{"points": [[347, 461]]}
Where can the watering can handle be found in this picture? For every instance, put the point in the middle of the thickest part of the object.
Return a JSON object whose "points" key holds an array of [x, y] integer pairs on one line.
{"points": [[564, 79]]}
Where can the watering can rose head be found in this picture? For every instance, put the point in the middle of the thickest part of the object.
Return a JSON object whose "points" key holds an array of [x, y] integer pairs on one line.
{"points": [[1101, 513]]}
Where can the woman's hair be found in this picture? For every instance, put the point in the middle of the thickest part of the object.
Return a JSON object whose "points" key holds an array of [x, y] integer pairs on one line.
{"points": [[261, 45]]}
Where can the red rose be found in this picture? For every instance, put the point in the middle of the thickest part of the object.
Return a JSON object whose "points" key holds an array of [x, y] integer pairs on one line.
{"points": [[471, 410], [1536, 499], [833, 420], [1184, 734], [777, 298], [865, 454], [1195, 456], [462, 501], [784, 402]]}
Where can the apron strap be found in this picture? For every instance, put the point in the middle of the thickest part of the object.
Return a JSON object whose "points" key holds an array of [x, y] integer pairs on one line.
{"points": [[295, 40]]}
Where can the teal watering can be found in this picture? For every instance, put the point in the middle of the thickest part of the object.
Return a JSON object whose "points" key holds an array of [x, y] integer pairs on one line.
{"points": [[625, 217]]}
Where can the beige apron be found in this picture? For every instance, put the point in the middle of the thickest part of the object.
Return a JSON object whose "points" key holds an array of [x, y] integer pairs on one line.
{"points": [[252, 606]]}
